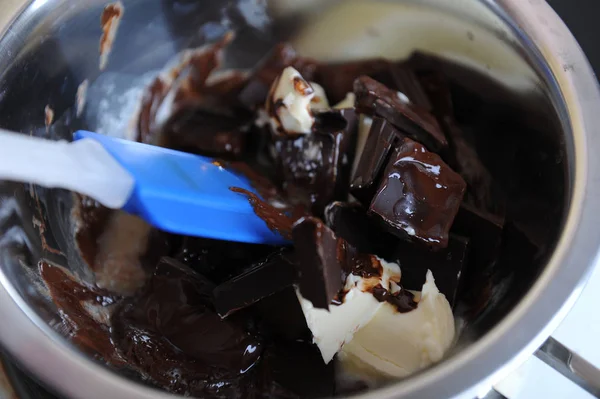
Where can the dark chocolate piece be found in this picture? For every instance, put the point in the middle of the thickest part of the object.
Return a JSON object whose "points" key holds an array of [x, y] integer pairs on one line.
{"points": [[351, 222], [485, 232], [419, 195], [283, 315], [217, 260], [406, 81], [315, 168], [373, 97], [265, 278], [320, 256], [374, 158], [447, 265]]}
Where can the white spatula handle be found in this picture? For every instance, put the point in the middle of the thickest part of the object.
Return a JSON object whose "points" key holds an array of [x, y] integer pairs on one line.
{"points": [[83, 166]]}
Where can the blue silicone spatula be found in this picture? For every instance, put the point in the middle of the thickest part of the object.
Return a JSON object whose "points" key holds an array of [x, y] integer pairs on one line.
{"points": [[175, 191]]}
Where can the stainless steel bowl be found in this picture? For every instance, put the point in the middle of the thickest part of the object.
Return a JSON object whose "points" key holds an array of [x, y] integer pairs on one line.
{"points": [[48, 47]]}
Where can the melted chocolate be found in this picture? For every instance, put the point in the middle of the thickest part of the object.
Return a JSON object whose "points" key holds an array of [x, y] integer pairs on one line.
{"points": [[84, 311], [419, 196], [277, 220], [188, 348], [403, 300]]}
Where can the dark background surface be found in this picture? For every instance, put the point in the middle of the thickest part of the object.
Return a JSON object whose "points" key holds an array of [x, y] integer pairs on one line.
{"points": [[582, 18]]}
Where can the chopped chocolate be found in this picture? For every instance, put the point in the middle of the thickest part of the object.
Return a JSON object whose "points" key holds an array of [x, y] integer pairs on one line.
{"points": [[315, 168], [351, 222], [402, 300], [219, 260], [320, 256], [265, 278], [283, 315], [374, 158], [406, 81], [374, 98], [419, 196], [485, 232], [448, 265]]}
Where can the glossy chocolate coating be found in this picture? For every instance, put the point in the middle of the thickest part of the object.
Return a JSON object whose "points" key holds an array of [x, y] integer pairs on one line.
{"points": [[265, 278], [374, 98], [419, 195]]}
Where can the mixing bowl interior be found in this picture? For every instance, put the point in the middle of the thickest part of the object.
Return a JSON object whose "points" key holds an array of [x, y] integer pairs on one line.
{"points": [[52, 47]]}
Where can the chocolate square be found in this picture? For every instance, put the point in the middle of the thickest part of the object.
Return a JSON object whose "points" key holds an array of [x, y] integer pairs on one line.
{"points": [[320, 256], [283, 315], [374, 98], [351, 222], [265, 278], [447, 265], [374, 158], [406, 81], [315, 169], [419, 195]]}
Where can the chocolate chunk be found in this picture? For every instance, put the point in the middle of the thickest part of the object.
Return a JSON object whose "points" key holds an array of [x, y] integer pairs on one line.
{"points": [[374, 158], [217, 260], [265, 278], [351, 222], [283, 315], [447, 265], [320, 256], [419, 195], [283, 55], [299, 367], [338, 78], [406, 81], [315, 168], [373, 97], [484, 230]]}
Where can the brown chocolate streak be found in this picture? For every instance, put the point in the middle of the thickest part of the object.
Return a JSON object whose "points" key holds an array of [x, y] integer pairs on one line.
{"points": [[276, 220]]}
